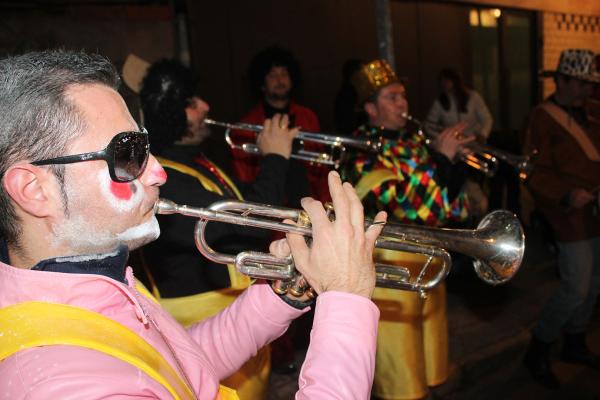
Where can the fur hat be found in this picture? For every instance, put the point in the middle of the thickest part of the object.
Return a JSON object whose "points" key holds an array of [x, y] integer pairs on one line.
{"points": [[165, 92], [578, 64], [372, 77]]}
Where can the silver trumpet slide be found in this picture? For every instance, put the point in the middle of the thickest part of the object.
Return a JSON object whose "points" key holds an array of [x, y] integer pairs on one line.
{"points": [[497, 245], [335, 144]]}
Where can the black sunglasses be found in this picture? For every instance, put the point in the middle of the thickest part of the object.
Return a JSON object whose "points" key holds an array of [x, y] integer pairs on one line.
{"points": [[126, 155]]}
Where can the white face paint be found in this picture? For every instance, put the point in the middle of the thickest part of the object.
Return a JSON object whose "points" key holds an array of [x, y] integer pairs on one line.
{"points": [[79, 235], [121, 204], [143, 233], [84, 232]]}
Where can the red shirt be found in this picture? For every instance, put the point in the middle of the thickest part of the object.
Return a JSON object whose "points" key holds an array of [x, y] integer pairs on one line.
{"points": [[246, 166]]}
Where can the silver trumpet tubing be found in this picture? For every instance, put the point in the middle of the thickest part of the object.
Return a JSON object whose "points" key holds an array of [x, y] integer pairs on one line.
{"points": [[522, 164], [485, 158], [497, 245], [335, 144]]}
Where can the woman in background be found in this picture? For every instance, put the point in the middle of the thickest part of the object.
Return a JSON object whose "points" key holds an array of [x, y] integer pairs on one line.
{"points": [[458, 103]]}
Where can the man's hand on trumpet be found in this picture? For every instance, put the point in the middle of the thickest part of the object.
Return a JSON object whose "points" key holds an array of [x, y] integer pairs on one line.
{"points": [[451, 141], [276, 137], [341, 255]]}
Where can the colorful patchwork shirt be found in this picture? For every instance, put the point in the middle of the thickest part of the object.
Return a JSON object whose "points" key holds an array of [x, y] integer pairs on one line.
{"points": [[406, 179]]}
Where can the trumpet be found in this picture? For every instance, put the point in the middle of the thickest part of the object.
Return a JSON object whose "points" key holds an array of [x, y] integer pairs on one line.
{"points": [[333, 156], [497, 245], [485, 158], [523, 164]]}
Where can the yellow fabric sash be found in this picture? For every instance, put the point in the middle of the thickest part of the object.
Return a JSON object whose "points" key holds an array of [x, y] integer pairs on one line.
{"points": [[207, 183], [238, 280], [44, 324], [574, 129], [372, 180]]}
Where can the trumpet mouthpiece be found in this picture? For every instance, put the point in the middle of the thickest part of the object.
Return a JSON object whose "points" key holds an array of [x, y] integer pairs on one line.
{"points": [[165, 207]]}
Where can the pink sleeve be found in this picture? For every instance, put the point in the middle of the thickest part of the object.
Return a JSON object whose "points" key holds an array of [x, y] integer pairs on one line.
{"points": [[340, 363], [255, 319]]}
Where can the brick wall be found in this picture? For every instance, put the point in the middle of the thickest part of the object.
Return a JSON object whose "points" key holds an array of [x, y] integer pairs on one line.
{"points": [[561, 31]]}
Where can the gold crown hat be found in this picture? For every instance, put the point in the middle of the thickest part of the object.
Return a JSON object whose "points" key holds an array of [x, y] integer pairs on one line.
{"points": [[578, 64], [371, 77]]}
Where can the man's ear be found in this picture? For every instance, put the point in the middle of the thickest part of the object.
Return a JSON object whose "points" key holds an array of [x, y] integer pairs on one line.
{"points": [[28, 185], [370, 109]]}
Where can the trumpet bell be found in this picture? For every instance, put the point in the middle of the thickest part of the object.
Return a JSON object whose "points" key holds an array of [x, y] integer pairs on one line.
{"points": [[503, 247]]}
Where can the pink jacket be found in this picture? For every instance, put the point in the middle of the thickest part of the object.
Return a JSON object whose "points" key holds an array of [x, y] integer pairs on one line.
{"points": [[339, 364]]}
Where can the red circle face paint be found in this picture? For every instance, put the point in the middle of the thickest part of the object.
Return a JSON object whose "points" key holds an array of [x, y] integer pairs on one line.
{"points": [[121, 190]]}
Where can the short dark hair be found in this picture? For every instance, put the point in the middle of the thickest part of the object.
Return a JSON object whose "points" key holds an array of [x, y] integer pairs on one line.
{"points": [[37, 119], [265, 60], [166, 91]]}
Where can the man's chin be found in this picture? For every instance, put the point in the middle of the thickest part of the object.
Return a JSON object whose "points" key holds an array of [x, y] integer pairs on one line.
{"points": [[140, 235], [136, 244]]}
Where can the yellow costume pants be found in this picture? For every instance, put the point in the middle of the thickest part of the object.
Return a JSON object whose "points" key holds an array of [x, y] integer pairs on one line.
{"points": [[412, 344]]}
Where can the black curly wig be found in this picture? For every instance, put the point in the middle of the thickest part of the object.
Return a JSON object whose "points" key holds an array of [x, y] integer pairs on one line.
{"points": [[262, 62], [166, 90]]}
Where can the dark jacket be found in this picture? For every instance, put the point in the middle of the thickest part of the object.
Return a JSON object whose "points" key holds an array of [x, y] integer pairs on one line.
{"points": [[560, 167], [176, 265]]}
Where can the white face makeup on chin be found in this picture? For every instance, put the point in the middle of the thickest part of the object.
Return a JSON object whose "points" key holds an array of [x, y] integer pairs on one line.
{"points": [[123, 198], [141, 234]]}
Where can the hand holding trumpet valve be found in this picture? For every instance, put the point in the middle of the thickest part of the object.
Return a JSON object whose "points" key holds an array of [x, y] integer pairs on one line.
{"points": [[340, 257], [450, 142], [276, 137]]}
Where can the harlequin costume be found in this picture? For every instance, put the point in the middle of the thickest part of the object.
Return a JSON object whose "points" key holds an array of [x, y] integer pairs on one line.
{"points": [[414, 185], [419, 186]]}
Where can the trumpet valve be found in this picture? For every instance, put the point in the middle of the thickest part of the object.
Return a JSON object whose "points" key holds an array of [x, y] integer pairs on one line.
{"points": [[280, 287], [299, 286]]}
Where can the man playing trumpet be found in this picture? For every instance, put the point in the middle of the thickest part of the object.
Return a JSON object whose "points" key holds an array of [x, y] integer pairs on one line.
{"points": [[414, 183], [79, 188]]}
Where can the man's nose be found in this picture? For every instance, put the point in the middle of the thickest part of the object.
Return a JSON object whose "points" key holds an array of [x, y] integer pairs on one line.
{"points": [[203, 105], [154, 174]]}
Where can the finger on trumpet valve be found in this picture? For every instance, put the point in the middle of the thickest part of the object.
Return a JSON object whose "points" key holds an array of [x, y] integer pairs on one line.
{"points": [[280, 287], [310, 293], [299, 286]]}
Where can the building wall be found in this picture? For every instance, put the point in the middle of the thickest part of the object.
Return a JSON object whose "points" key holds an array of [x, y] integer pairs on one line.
{"points": [[322, 35], [566, 30], [114, 31], [585, 7]]}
